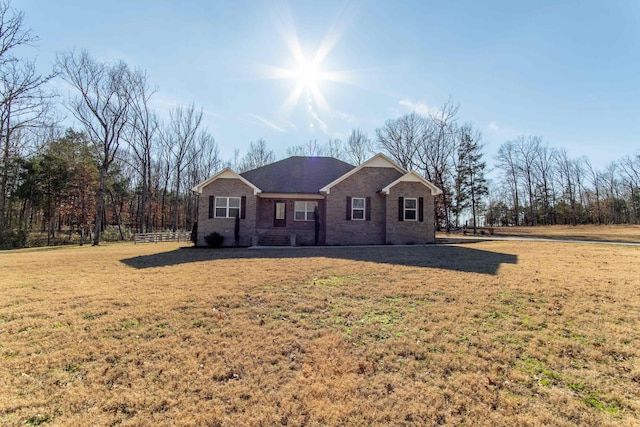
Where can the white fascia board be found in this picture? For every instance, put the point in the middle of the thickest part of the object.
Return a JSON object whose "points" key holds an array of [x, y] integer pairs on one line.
{"points": [[299, 196], [413, 176], [226, 173], [377, 161]]}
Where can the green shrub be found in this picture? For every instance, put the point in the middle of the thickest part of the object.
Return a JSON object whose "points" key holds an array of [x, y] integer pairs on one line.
{"points": [[214, 240], [12, 239]]}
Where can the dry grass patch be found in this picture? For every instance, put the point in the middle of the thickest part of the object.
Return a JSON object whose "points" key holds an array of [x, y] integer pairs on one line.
{"points": [[493, 333], [611, 233]]}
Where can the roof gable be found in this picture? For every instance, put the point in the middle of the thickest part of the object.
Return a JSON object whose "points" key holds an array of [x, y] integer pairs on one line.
{"points": [[226, 173], [300, 175], [413, 176], [377, 161]]}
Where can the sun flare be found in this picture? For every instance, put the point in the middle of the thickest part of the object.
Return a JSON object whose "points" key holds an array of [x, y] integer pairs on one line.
{"points": [[308, 75], [306, 70]]}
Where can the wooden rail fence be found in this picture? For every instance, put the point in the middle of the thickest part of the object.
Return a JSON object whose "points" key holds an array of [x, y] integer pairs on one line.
{"points": [[180, 236]]}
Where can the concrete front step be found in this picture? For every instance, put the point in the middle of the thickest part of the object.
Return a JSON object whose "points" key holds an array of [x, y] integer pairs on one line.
{"points": [[274, 240]]}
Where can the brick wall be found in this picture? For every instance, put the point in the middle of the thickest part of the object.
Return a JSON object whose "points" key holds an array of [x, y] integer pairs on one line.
{"points": [[367, 182], [409, 232], [225, 187]]}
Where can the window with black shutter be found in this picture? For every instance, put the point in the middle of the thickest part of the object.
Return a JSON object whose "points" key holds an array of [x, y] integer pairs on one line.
{"points": [[358, 208]]}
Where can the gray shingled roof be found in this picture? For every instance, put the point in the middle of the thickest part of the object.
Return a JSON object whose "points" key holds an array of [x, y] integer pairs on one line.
{"points": [[297, 174]]}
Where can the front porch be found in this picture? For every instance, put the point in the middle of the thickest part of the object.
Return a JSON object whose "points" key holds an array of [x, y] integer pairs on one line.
{"points": [[290, 220]]}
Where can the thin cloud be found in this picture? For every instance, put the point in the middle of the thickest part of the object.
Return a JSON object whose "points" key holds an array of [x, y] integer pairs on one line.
{"points": [[346, 116], [419, 107], [323, 126], [500, 131], [267, 123], [493, 127]]}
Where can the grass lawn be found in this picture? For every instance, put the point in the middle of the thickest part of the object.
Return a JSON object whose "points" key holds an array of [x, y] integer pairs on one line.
{"points": [[493, 333], [610, 233]]}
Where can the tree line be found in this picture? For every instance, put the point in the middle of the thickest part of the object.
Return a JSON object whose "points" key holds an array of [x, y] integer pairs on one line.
{"points": [[125, 170], [534, 183], [542, 184]]}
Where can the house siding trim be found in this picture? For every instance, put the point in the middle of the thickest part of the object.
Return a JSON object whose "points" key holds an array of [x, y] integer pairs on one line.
{"points": [[299, 196], [226, 173], [379, 161], [413, 176]]}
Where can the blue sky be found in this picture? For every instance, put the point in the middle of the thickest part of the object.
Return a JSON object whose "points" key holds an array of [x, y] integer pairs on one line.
{"points": [[568, 71]]}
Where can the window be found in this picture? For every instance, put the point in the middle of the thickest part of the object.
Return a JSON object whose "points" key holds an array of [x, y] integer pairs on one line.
{"points": [[227, 207], [358, 208], [304, 211], [410, 209], [281, 210]]}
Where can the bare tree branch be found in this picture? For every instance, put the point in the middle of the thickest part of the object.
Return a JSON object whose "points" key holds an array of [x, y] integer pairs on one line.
{"points": [[102, 105]]}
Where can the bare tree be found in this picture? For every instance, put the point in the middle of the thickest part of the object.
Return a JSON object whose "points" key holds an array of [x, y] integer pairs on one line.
{"points": [[401, 138], [180, 137], [567, 175], [611, 187], [102, 106], [24, 104], [334, 148], [257, 156], [311, 149], [595, 178], [12, 32], [162, 168], [629, 169], [141, 138], [234, 163], [208, 156], [544, 169], [358, 147], [436, 153], [528, 149], [508, 162], [206, 162]]}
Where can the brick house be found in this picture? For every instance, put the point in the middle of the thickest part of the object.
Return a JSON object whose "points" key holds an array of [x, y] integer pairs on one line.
{"points": [[318, 200]]}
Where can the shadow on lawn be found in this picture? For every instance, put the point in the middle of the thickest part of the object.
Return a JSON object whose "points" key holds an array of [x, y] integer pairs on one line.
{"points": [[455, 258]]}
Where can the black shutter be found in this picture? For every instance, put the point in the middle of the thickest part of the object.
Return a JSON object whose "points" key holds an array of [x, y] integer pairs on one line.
{"points": [[211, 205], [348, 208], [400, 208], [368, 208], [243, 207], [421, 209]]}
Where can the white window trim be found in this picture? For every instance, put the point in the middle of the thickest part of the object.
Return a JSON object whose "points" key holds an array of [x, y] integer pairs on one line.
{"points": [[308, 215], [227, 207], [405, 209], [363, 208]]}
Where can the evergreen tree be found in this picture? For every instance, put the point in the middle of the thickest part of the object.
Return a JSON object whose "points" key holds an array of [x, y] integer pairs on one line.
{"points": [[471, 183]]}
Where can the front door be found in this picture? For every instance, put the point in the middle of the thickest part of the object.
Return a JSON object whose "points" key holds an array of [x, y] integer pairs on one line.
{"points": [[280, 214]]}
